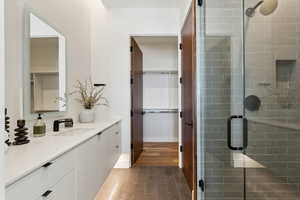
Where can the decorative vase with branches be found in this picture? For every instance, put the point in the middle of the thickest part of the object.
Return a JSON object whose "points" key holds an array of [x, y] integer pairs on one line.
{"points": [[89, 96]]}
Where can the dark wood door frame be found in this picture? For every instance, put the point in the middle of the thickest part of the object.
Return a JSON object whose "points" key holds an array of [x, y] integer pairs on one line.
{"points": [[136, 113], [188, 36]]}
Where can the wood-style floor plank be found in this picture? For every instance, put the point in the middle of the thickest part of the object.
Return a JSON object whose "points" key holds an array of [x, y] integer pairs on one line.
{"points": [[145, 183], [159, 154]]}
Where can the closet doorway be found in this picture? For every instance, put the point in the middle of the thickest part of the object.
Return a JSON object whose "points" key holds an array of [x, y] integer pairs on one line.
{"points": [[154, 101]]}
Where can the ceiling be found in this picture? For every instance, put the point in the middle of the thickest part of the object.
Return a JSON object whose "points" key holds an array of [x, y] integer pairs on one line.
{"points": [[141, 3]]}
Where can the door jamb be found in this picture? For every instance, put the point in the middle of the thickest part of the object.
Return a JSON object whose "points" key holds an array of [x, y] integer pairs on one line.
{"points": [[132, 35]]}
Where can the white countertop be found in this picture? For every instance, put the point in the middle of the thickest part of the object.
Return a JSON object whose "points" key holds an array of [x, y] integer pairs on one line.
{"points": [[24, 159]]}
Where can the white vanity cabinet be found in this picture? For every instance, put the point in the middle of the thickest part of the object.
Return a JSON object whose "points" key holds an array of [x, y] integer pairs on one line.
{"points": [[75, 175], [95, 159], [42, 182]]}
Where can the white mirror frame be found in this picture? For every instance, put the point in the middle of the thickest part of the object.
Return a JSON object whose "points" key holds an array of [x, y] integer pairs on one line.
{"points": [[25, 100]]}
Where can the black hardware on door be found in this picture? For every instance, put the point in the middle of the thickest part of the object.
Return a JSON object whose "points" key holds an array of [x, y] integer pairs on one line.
{"points": [[245, 133], [201, 185], [200, 3], [188, 124]]}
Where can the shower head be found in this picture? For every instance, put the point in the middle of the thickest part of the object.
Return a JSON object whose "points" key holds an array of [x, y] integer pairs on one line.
{"points": [[267, 7]]}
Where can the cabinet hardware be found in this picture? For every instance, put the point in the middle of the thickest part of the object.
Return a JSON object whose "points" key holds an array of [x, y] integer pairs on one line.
{"points": [[47, 164], [117, 133], [117, 146], [181, 148], [181, 114], [47, 193], [100, 133], [180, 46]]}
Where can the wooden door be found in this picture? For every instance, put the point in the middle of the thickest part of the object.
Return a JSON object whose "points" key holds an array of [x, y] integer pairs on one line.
{"points": [[136, 101], [188, 99]]}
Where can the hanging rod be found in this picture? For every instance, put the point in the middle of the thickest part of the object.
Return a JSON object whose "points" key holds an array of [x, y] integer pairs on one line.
{"points": [[158, 110], [160, 72]]}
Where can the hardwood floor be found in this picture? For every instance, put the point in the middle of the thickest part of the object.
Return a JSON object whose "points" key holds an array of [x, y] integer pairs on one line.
{"points": [[145, 183], [159, 154], [155, 176]]}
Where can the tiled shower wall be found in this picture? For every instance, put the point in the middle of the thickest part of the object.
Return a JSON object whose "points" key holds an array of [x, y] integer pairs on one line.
{"points": [[222, 180], [277, 149], [272, 47], [273, 74], [272, 61], [221, 86]]}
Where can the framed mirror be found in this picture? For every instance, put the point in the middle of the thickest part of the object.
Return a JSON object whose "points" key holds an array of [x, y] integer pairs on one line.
{"points": [[44, 67]]}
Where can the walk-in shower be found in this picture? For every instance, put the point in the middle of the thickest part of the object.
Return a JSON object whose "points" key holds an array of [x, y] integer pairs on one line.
{"points": [[242, 58]]}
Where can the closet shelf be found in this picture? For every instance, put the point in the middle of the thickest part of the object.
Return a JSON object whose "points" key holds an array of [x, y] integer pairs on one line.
{"points": [[175, 72], [160, 110], [45, 72]]}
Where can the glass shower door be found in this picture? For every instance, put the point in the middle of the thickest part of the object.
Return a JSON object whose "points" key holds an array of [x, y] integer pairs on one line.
{"points": [[220, 97], [272, 94]]}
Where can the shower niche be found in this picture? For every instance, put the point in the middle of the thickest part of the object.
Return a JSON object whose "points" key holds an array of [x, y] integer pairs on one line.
{"points": [[285, 82]]}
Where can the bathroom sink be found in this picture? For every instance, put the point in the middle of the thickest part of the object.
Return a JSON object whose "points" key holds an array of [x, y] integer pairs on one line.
{"points": [[72, 132]]}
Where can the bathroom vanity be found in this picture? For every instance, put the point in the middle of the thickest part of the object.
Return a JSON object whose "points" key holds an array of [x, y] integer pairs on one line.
{"points": [[69, 165]]}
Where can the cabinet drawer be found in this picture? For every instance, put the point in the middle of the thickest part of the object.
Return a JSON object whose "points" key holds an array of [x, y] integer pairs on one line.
{"points": [[58, 168], [35, 184], [28, 188], [63, 190]]}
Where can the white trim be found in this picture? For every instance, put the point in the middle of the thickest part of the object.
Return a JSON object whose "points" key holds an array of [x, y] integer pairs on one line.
{"points": [[154, 35], [2, 97], [180, 158], [185, 15], [123, 162]]}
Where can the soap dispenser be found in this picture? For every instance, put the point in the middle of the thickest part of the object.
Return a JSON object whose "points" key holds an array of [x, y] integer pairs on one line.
{"points": [[39, 128]]}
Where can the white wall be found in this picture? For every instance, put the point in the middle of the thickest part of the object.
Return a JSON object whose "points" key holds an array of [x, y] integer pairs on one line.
{"points": [[184, 6], [72, 19], [160, 90], [111, 30], [2, 96]]}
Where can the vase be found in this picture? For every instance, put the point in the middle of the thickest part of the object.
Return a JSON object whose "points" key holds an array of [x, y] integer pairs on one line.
{"points": [[87, 116]]}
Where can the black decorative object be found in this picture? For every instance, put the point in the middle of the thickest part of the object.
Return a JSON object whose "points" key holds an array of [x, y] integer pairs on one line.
{"points": [[21, 133], [252, 103], [7, 127]]}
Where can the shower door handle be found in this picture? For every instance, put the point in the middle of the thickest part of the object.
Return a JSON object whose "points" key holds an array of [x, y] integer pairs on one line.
{"points": [[245, 133]]}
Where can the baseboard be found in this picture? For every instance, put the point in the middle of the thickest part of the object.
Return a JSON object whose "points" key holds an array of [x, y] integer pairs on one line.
{"points": [[123, 162], [160, 139]]}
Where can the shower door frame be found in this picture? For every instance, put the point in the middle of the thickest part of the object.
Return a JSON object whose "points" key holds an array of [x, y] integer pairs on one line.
{"points": [[201, 136]]}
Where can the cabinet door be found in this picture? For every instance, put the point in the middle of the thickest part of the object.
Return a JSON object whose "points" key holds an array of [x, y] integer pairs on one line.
{"points": [[104, 147], [101, 161], [115, 145], [86, 168], [65, 189], [28, 188]]}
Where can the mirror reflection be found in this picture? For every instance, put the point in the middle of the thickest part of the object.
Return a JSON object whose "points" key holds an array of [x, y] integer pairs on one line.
{"points": [[47, 67]]}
